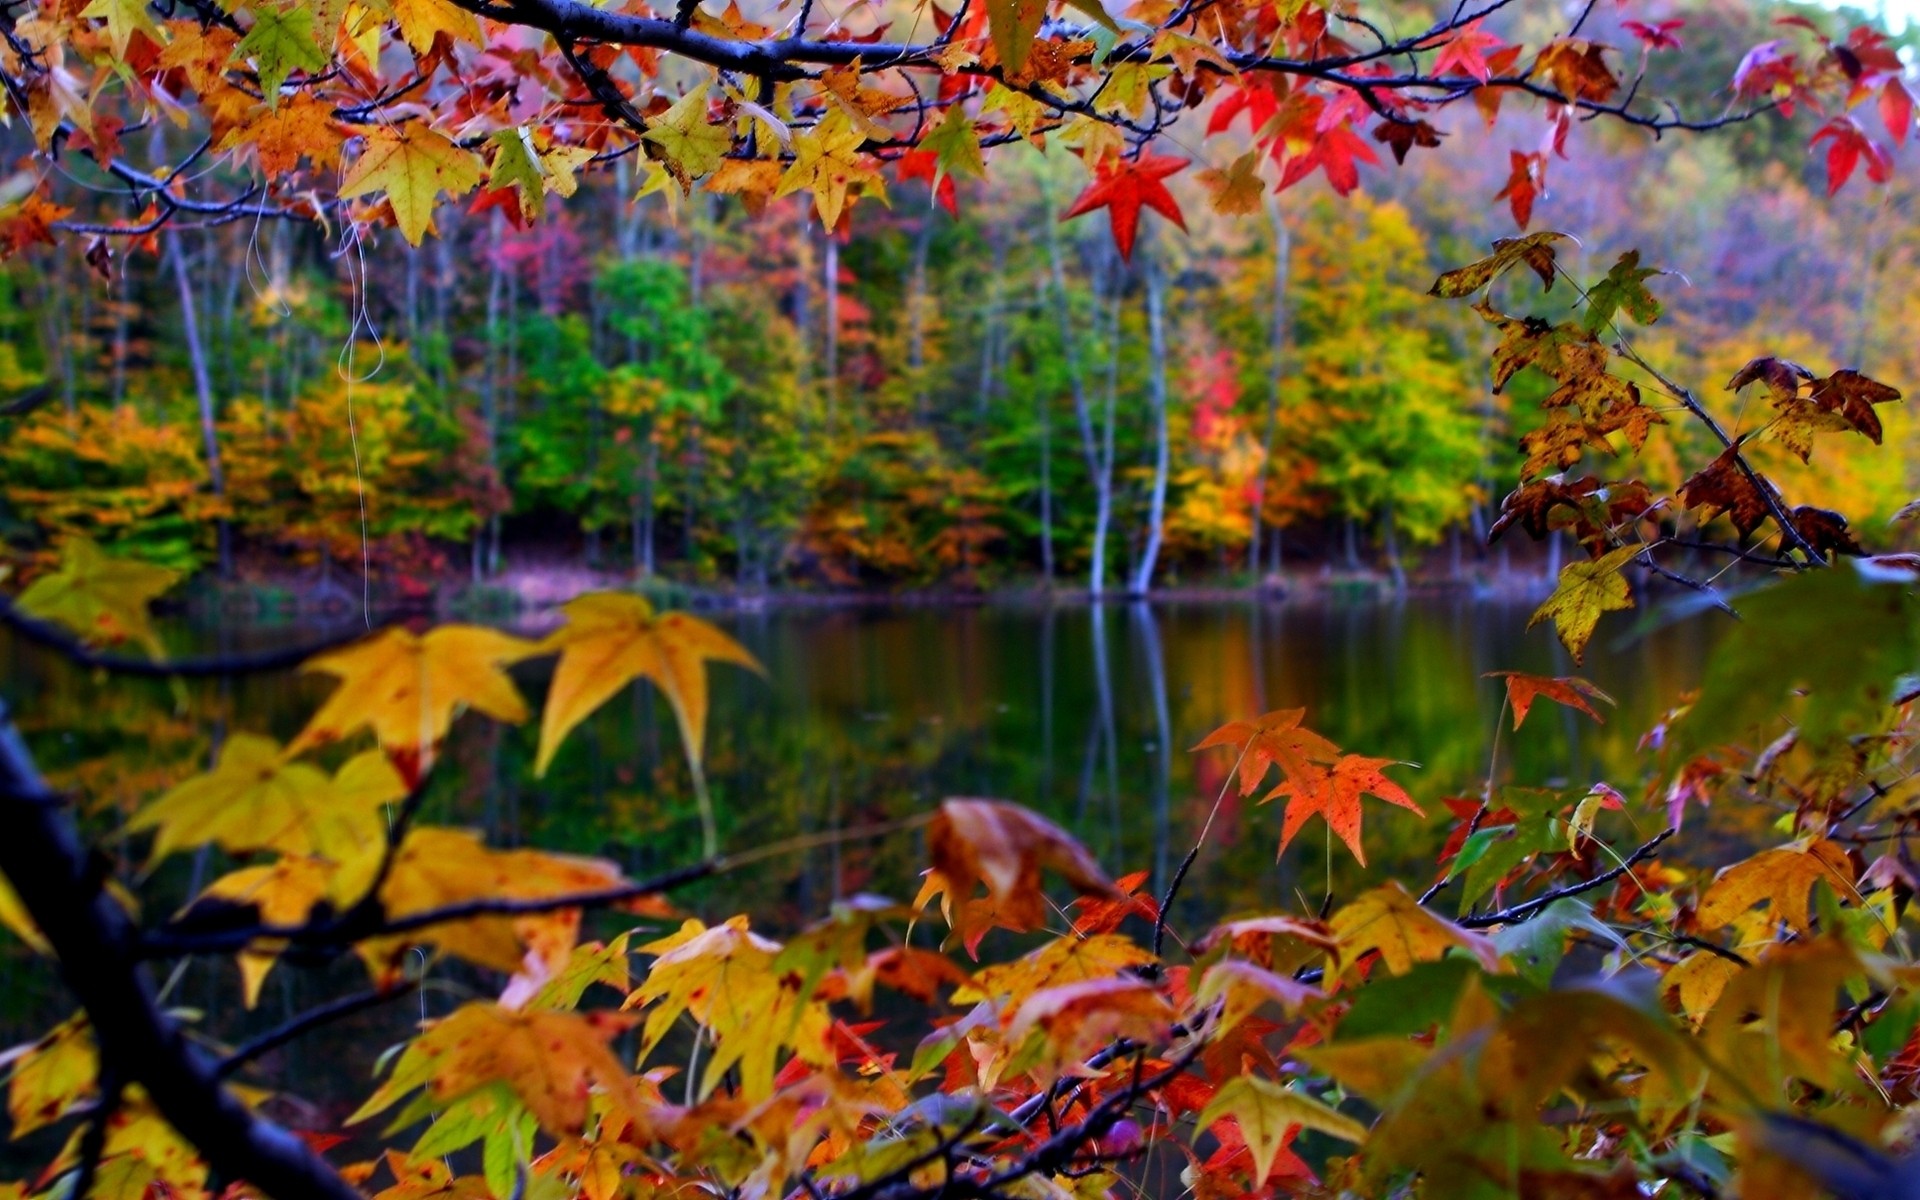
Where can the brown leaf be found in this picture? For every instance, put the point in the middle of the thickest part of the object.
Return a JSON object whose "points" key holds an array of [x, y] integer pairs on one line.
{"points": [[1783, 377], [1853, 396], [1825, 530], [1722, 487], [1003, 847]]}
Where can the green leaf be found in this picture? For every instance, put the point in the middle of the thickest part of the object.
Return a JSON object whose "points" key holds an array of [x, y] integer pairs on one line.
{"points": [[1405, 1005], [1625, 287], [280, 42]]}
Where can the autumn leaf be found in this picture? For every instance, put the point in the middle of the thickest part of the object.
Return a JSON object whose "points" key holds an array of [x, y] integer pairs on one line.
{"points": [[1722, 486], [552, 1061], [413, 166], [1268, 1112], [407, 689], [255, 799], [1783, 878], [1585, 590], [1624, 288], [1002, 847], [51, 1077], [280, 42], [1534, 251], [1013, 24], [955, 144], [282, 893], [1334, 793], [1236, 190], [828, 164], [422, 21], [1465, 52], [1269, 740], [1393, 923], [722, 976], [1853, 396], [1569, 690], [125, 18], [1064, 960], [1526, 179], [614, 638], [1123, 187], [101, 597], [301, 127], [691, 145], [1076, 1019]]}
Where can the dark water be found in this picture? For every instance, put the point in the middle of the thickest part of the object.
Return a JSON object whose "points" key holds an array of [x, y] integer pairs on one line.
{"points": [[1083, 713]]}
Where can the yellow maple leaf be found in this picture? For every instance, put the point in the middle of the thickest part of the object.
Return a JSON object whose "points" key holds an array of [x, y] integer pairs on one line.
{"points": [[52, 1076], [254, 799], [407, 689], [412, 165], [1392, 922], [1585, 590], [420, 21], [437, 867], [1067, 959], [612, 638], [283, 893], [692, 145], [723, 977], [101, 597], [553, 1061], [827, 164], [1783, 877], [125, 18], [1268, 1113]]}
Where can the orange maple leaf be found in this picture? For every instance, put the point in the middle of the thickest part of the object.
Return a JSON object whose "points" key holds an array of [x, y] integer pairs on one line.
{"points": [[1272, 739], [1334, 793], [1123, 188]]}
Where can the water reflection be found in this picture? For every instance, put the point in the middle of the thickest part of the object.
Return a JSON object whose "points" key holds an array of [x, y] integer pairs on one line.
{"points": [[869, 715]]}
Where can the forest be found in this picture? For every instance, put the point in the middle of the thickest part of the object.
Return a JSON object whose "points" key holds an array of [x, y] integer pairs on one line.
{"points": [[958, 390], [1023, 600]]}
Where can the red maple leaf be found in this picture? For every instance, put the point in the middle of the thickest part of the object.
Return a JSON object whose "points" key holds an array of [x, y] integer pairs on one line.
{"points": [[1896, 109], [1657, 36], [1523, 184], [925, 164], [1255, 99], [1123, 187], [1467, 53], [1850, 145], [1335, 151]]}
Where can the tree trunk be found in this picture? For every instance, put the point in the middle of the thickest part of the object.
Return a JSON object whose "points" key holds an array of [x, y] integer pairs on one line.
{"points": [[833, 326], [203, 390], [1157, 389], [1276, 343], [1099, 467]]}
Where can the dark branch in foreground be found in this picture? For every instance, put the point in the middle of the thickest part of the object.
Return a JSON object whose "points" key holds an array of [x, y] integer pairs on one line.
{"points": [[226, 666], [1520, 912], [94, 939]]}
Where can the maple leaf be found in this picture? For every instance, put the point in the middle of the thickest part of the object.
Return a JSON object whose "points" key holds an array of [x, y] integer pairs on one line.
{"points": [[1825, 530], [1465, 52], [1783, 877], [1402, 136], [1577, 69], [1850, 145], [1526, 179], [1064, 960], [1658, 35], [691, 145], [422, 21], [1003, 847], [254, 799], [1584, 591], [1272, 739], [1625, 287], [955, 144], [29, 221], [1268, 1114], [553, 1061], [1334, 793], [284, 893], [1853, 396], [1535, 251], [827, 163], [1896, 110], [125, 18], [613, 638], [407, 689], [1723, 487], [723, 977], [436, 867], [1390, 921], [300, 127], [413, 165], [1077, 1019], [1123, 187], [52, 1076], [1242, 987], [280, 42], [1236, 190], [1013, 24], [1569, 690], [99, 596]]}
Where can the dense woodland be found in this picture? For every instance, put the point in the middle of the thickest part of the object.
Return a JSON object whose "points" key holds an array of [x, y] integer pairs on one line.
{"points": [[959, 389]]}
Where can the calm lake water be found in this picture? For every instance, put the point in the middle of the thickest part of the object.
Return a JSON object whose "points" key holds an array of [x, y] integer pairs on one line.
{"points": [[869, 715]]}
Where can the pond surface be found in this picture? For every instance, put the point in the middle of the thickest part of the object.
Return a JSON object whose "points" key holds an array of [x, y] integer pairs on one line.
{"points": [[870, 715]]}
